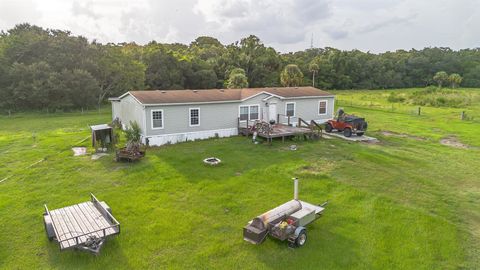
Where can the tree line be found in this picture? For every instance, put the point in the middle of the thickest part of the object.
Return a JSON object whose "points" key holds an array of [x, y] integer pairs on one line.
{"points": [[45, 69]]}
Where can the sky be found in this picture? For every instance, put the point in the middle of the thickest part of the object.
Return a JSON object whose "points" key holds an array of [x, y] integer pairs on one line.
{"points": [[286, 25]]}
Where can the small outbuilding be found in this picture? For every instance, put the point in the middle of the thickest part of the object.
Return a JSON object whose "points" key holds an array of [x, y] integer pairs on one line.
{"points": [[102, 136]]}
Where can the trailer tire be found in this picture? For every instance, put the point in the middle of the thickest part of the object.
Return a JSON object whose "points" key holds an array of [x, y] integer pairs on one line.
{"points": [[47, 221], [328, 128], [347, 132], [301, 238]]}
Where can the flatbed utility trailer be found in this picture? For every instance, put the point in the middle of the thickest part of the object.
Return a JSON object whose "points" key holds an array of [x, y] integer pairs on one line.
{"points": [[129, 155], [84, 226], [285, 222]]}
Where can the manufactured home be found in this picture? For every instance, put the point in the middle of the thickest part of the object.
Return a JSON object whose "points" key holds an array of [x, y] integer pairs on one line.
{"points": [[171, 116]]}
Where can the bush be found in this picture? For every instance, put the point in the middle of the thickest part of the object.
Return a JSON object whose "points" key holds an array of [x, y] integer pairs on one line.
{"points": [[394, 97], [133, 133], [437, 97]]}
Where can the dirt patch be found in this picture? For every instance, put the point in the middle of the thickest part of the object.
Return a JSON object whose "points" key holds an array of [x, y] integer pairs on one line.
{"points": [[453, 142], [319, 167], [99, 155], [401, 135], [117, 168]]}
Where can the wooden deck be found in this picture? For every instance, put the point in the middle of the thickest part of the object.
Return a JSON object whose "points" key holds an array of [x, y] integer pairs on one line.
{"points": [[310, 129], [75, 224], [280, 130]]}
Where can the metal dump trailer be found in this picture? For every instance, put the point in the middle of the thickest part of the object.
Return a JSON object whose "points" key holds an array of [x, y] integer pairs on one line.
{"points": [[285, 222], [84, 226]]}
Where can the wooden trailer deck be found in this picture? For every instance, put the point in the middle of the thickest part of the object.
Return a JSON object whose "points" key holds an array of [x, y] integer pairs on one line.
{"points": [[280, 130], [74, 225]]}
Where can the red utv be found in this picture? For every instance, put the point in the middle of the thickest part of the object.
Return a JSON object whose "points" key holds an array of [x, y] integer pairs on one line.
{"points": [[349, 124]]}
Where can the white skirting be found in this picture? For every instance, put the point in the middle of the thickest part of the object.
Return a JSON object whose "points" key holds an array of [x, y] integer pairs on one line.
{"points": [[158, 140]]}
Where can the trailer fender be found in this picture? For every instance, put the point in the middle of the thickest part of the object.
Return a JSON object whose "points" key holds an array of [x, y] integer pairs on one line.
{"points": [[295, 241], [105, 205], [298, 230], [47, 221]]}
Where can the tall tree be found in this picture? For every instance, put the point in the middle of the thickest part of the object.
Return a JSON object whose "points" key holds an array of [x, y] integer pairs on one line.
{"points": [[441, 78], [455, 80], [117, 73], [291, 76], [313, 68], [237, 79]]}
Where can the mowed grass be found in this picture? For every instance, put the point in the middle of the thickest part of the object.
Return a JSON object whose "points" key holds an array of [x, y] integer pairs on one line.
{"points": [[405, 203]]}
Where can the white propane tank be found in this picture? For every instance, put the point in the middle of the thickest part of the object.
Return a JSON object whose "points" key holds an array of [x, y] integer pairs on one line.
{"points": [[283, 210]]}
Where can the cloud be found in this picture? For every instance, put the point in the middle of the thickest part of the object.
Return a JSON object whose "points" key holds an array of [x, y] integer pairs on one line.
{"points": [[84, 9], [15, 12], [162, 21], [386, 23], [286, 25], [337, 34], [275, 21]]}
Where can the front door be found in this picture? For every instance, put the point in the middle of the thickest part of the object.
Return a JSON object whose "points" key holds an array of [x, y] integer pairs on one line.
{"points": [[272, 111]]}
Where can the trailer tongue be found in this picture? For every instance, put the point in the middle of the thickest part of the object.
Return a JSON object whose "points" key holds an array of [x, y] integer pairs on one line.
{"points": [[285, 222]]}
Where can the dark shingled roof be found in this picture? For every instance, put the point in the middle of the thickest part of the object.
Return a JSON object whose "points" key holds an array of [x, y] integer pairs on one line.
{"points": [[219, 95]]}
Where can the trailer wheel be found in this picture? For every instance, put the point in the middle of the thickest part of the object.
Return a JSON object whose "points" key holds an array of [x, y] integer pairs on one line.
{"points": [[328, 128], [347, 132], [301, 239]]}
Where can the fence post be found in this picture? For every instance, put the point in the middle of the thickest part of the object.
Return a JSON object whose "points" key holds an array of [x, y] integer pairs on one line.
{"points": [[463, 115], [419, 110]]}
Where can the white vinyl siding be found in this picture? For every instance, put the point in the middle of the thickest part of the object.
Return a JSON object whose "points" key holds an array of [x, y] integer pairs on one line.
{"points": [[290, 109], [157, 119], [322, 107], [194, 117]]}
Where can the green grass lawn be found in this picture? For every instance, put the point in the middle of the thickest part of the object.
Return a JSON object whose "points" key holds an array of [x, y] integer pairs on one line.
{"points": [[404, 203]]}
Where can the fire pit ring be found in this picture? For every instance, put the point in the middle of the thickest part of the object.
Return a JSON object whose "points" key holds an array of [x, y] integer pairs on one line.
{"points": [[213, 161]]}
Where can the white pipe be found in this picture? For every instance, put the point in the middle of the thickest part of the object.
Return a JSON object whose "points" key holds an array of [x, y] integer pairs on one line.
{"points": [[295, 188]]}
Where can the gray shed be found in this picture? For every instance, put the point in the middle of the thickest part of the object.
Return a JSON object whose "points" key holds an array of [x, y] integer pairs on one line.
{"points": [[102, 136]]}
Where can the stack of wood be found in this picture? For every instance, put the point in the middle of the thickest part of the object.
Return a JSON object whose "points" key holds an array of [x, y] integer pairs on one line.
{"points": [[131, 152]]}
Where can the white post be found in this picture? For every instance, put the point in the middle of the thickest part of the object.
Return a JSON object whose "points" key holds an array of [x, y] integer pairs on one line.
{"points": [[295, 188]]}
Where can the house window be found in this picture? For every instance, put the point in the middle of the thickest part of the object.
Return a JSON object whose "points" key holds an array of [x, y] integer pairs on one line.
{"points": [[290, 109], [254, 112], [250, 112], [322, 107], [195, 117], [243, 113], [157, 119]]}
